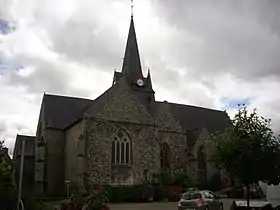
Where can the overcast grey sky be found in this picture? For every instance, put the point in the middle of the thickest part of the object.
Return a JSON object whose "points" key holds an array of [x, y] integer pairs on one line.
{"points": [[213, 53]]}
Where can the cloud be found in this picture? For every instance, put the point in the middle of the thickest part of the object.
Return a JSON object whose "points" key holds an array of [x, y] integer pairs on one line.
{"points": [[6, 27], [18, 113], [233, 45], [211, 54], [240, 37], [233, 103]]}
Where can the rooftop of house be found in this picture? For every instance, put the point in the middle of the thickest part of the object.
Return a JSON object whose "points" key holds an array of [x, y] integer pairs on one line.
{"points": [[29, 150]]}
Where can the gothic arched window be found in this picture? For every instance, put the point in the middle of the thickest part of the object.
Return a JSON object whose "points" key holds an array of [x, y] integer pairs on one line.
{"points": [[121, 148], [201, 163], [201, 159], [165, 156]]}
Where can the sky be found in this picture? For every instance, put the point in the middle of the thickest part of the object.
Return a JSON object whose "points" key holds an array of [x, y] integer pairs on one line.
{"points": [[214, 54]]}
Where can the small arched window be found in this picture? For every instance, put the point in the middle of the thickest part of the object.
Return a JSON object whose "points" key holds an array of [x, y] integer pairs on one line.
{"points": [[121, 148]]}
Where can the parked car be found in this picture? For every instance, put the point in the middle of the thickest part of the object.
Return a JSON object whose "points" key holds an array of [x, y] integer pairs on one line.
{"points": [[200, 200]]}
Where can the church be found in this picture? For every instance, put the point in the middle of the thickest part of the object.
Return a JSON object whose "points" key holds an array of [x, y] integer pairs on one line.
{"points": [[120, 138]]}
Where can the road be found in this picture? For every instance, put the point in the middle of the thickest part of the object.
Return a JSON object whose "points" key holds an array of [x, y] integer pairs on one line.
{"points": [[157, 206]]}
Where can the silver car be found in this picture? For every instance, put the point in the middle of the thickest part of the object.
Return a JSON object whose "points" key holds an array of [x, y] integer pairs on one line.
{"points": [[200, 200]]}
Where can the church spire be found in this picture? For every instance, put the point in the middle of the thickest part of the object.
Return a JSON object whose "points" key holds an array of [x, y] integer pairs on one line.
{"points": [[131, 68], [149, 80]]}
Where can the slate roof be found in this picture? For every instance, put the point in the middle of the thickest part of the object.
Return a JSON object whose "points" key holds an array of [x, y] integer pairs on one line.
{"points": [[61, 111], [29, 146], [192, 136], [193, 117]]}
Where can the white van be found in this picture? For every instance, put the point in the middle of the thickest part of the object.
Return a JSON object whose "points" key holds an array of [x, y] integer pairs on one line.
{"points": [[271, 192]]}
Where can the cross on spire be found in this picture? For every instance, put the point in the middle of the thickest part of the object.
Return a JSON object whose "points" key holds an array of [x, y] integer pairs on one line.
{"points": [[131, 8]]}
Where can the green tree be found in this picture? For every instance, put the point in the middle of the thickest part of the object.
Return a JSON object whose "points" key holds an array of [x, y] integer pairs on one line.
{"points": [[1, 145], [249, 150], [183, 179], [164, 177], [7, 187]]}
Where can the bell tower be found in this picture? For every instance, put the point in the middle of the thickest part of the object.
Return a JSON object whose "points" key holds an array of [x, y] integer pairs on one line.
{"points": [[132, 70]]}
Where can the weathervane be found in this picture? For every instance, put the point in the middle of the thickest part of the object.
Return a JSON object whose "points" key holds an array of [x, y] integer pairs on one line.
{"points": [[131, 8]]}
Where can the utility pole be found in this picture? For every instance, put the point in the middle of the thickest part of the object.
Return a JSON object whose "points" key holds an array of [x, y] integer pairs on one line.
{"points": [[19, 202]]}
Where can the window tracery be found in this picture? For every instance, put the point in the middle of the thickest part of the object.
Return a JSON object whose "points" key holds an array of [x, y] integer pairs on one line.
{"points": [[121, 148]]}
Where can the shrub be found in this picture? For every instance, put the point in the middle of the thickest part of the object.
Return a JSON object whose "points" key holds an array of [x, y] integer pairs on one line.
{"points": [[171, 186], [145, 192], [8, 192], [215, 182], [164, 177], [181, 178], [136, 193], [159, 192], [121, 193]]}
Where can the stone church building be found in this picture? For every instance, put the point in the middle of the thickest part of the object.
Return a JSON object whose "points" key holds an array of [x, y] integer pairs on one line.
{"points": [[121, 137]]}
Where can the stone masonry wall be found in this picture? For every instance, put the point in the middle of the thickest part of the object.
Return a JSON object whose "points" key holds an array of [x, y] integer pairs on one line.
{"points": [[71, 152], [145, 141], [205, 141], [99, 146], [120, 104], [119, 108], [55, 140], [40, 153], [171, 132], [176, 142]]}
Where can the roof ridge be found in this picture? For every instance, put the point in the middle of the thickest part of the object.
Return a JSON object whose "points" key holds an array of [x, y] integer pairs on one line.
{"points": [[31, 136], [87, 108], [194, 106], [66, 96]]}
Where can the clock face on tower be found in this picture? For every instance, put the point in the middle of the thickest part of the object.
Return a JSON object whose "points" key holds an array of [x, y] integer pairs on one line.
{"points": [[140, 82]]}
